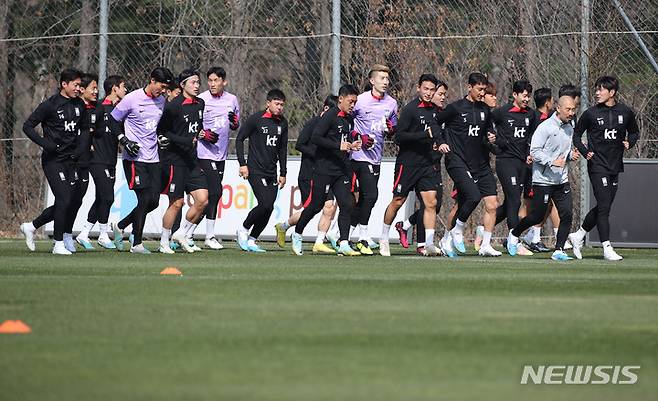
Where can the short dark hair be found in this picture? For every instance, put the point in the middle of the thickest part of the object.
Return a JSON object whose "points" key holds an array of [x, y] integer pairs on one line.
{"points": [[163, 75], [187, 73], [490, 89], [88, 78], [347, 90], [219, 71], [69, 74], [569, 90], [428, 78], [175, 84], [331, 101], [276, 94], [608, 82], [112, 81], [522, 86], [542, 95], [440, 83], [477, 78]]}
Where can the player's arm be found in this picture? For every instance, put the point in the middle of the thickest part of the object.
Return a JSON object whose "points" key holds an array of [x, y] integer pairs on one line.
{"points": [[321, 131], [245, 132], [405, 130], [87, 128], [283, 154], [303, 143], [581, 126], [234, 116], [166, 127], [37, 117], [502, 142], [632, 130], [537, 147], [115, 122]]}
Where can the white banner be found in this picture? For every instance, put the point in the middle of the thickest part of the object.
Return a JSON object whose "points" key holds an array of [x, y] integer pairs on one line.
{"points": [[236, 202]]}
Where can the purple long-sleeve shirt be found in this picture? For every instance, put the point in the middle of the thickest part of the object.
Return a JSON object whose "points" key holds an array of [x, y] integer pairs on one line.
{"points": [[370, 116], [215, 118], [140, 114]]}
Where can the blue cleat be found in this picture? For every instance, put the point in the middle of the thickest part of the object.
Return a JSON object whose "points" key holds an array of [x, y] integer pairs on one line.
{"points": [[459, 245], [511, 248], [297, 248], [173, 245], [560, 256], [242, 240], [255, 248], [85, 243], [118, 236]]}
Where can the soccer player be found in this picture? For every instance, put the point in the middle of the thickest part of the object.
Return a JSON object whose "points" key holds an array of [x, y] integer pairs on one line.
{"points": [[551, 151], [416, 217], [179, 129], [60, 117], [470, 138], [140, 111], [305, 184], [375, 118], [221, 116], [335, 138], [267, 132], [611, 129], [543, 108], [417, 135], [89, 94], [514, 122], [102, 165]]}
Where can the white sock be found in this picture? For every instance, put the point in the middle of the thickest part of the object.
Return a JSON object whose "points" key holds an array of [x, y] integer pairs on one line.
{"points": [[59, 243], [210, 228], [352, 228], [429, 236], [285, 225], [420, 245], [459, 227], [251, 241], [344, 243], [184, 226], [512, 239], [555, 231], [486, 239], [385, 232], [164, 238], [103, 228], [406, 225], [606, 245], [86, 228], [446, 235], [319, 240], [30, 226], [190, 232], [363, 232], [582, 232], [536, 235]]}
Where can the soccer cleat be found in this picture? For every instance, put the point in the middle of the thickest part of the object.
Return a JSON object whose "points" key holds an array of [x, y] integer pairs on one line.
{"points": [[213, 243], [242, 239], [105, 242], [489, 251], [430, 250], [333, 239], [84, 242], [404, 241], [297, 248], [140, 248], [69, 244], [28, 232], [521, 250], [131, 239], [372, 244], [479, 233], [166, 250], [192, 245], [512, 247], [567, 244], [458, 242], [346, 249], [182, 241], [255, 248], [560, 256], [322, 248], [421, 251], [577, 243], [118, 236], [363, 249], [174, 245], [60, 249], [384, 248], [610, 254], [446, 247], [280, 235]]}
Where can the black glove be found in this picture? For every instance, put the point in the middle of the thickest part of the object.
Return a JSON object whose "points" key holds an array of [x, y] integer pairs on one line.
{"points": [[233, 121], [367, 141], [208, 136], [163, 142], [131, 147]]}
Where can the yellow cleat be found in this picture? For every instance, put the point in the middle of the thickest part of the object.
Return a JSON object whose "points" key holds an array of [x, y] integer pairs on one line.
{"points": [[322, 248], [280, 235], [363, 248]]}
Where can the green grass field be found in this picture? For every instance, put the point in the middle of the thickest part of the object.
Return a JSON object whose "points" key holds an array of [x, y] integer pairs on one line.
{"points": [[107, 326]]}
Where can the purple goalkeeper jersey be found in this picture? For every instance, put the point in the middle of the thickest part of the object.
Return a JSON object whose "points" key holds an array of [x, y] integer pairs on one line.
{"points": [[215, 118], [140, 114], [370, 116]]}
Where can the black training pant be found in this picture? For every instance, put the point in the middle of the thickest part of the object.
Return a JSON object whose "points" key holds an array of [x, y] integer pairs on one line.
{"points": [[265, 190], [214, 172], [61, 179], [79, 191], [144, 179], [104, 177], [368, 177], [511, 173], [605, 189]]}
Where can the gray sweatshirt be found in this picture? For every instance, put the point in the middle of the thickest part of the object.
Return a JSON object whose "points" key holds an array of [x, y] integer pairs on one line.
{"points": [[551, 140]]}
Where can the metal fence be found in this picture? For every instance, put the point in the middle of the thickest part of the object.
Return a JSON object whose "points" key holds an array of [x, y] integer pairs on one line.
{"points": [[308, 47]]}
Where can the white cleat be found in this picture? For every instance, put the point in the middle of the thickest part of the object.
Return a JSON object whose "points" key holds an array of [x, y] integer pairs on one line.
{"points": [[28, 232], [182, 241], [166, 250], [577, 243], [610, 254], [430, 250], [568, 244], [60, 249], [384, 248], [193, 245], [69, 243], [105, 241], [213, 243], [489, 251], [139, 249]]}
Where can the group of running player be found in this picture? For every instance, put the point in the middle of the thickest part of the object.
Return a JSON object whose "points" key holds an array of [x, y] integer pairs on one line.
{"points": [[175, 141]]}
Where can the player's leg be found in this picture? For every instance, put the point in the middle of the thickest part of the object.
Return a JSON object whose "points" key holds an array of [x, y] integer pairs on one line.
{"points": [[561, 195], [368, 175], [328, 213], [305, 186], [196, 187], [342, 189], [174, 179], [147, 188], [538, 207], [265, 191], [404, 180], [470, 197], [319, 192], [214, 173]]}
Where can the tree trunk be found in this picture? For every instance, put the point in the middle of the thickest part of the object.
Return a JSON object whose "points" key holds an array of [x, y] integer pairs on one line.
{"points": [[87, 25]]}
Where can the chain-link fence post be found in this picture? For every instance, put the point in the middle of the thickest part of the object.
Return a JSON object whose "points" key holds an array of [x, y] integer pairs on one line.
{"points": [[102, 47], [335, 46], [584, 102]]}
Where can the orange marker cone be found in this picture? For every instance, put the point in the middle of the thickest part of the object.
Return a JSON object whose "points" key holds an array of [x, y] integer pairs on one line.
{"points": [[14, 327], [171, 271]]}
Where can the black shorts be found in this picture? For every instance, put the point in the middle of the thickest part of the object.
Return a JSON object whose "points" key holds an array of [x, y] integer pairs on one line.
{"points": [[527, 183], [484, 180], [181, 179], [305, 186], [142, 175], [420, 178], [214, 173]]}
